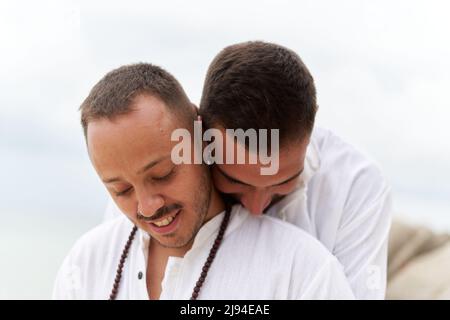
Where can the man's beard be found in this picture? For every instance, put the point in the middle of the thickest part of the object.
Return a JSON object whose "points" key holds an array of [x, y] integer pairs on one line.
{"points": [[201, 207]]}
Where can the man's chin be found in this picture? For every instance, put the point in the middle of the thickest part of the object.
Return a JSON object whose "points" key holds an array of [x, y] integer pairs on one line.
{"points": [[172, 241]]}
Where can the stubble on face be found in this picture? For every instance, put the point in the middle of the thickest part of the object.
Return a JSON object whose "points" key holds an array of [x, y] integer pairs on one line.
{"points": [[201, 207]]}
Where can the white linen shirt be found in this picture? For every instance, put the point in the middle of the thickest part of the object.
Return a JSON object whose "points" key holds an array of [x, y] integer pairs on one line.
{"points": [[259, 258], [344, 201]]}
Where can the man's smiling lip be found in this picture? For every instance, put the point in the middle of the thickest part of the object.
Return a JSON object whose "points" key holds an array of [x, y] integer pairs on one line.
{"points": [[168, 228], [173, 212]]}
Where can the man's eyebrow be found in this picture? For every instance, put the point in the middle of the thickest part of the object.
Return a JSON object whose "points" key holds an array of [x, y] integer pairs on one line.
{"points": [[244, 183], [291, 178], [140, 171], [232, 179], [152, 164], [110, 180]]}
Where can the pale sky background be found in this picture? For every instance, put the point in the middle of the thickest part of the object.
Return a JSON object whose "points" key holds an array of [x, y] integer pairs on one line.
{"points": [[381, 69]]}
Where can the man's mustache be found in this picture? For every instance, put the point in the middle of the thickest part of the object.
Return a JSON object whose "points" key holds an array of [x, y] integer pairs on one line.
{"points": [[161, 212]]}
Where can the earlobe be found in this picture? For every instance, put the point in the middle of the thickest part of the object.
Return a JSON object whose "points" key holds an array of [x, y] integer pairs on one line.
{"points": [[195, 108]]}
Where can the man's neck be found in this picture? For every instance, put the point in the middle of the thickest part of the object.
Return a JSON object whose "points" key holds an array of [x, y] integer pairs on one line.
{"points": [[216, 206]]}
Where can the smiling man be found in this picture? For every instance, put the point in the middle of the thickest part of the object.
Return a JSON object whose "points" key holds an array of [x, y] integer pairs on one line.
{"points": [[175, 237]]}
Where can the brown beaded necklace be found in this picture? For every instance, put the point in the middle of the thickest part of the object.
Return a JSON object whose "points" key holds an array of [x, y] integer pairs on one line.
{"points": [[205, 269]]}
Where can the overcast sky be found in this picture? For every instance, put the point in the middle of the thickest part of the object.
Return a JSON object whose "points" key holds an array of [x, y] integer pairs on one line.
{"points": [[381, 69]]}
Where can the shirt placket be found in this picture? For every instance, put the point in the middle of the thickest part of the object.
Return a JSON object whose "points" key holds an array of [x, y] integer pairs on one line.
{"points": [[171, 279], [138, 271]]}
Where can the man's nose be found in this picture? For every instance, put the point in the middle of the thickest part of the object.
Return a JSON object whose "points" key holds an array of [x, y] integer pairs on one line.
{"points": [[256, 202], [149, 203]]}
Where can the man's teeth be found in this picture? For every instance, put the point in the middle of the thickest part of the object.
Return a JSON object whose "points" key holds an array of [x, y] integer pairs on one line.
{"points": [[164, 222]]}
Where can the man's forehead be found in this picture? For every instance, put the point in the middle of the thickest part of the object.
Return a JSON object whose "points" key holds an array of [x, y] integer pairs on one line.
{"points": [[147, 113], [142, 169], [250, 174], [131, 138]]}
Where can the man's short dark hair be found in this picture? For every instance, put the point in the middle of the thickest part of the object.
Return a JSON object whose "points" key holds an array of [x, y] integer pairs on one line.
{"points": [[113, 95], [259, 85]]}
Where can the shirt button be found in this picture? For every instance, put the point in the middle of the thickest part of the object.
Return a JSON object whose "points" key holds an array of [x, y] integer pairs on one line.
{"points": [[140, 275]]}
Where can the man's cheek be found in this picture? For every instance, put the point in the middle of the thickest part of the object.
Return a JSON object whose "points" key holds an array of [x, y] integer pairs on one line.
{"points": [[126, 207]]}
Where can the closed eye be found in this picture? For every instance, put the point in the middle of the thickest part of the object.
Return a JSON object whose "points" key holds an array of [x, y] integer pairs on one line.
{"points": [[165, 177], [231, 180], [124, 192]]}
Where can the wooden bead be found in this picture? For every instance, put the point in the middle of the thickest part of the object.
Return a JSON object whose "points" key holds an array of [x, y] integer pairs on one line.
{"points": [[124, 255]]}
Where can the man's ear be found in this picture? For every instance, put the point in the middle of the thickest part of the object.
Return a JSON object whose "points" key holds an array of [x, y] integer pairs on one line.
{"points": [[195, 108], [199, 117]]}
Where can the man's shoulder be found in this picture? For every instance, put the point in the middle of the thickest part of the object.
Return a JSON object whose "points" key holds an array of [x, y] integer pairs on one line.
{"points": [[343, 164], [103, 238], [85, 272], [274, 232], [331, 147], [354, 182]]}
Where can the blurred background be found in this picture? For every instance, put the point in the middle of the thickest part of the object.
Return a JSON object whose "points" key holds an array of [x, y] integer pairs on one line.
{"points": [[381, 69]]}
